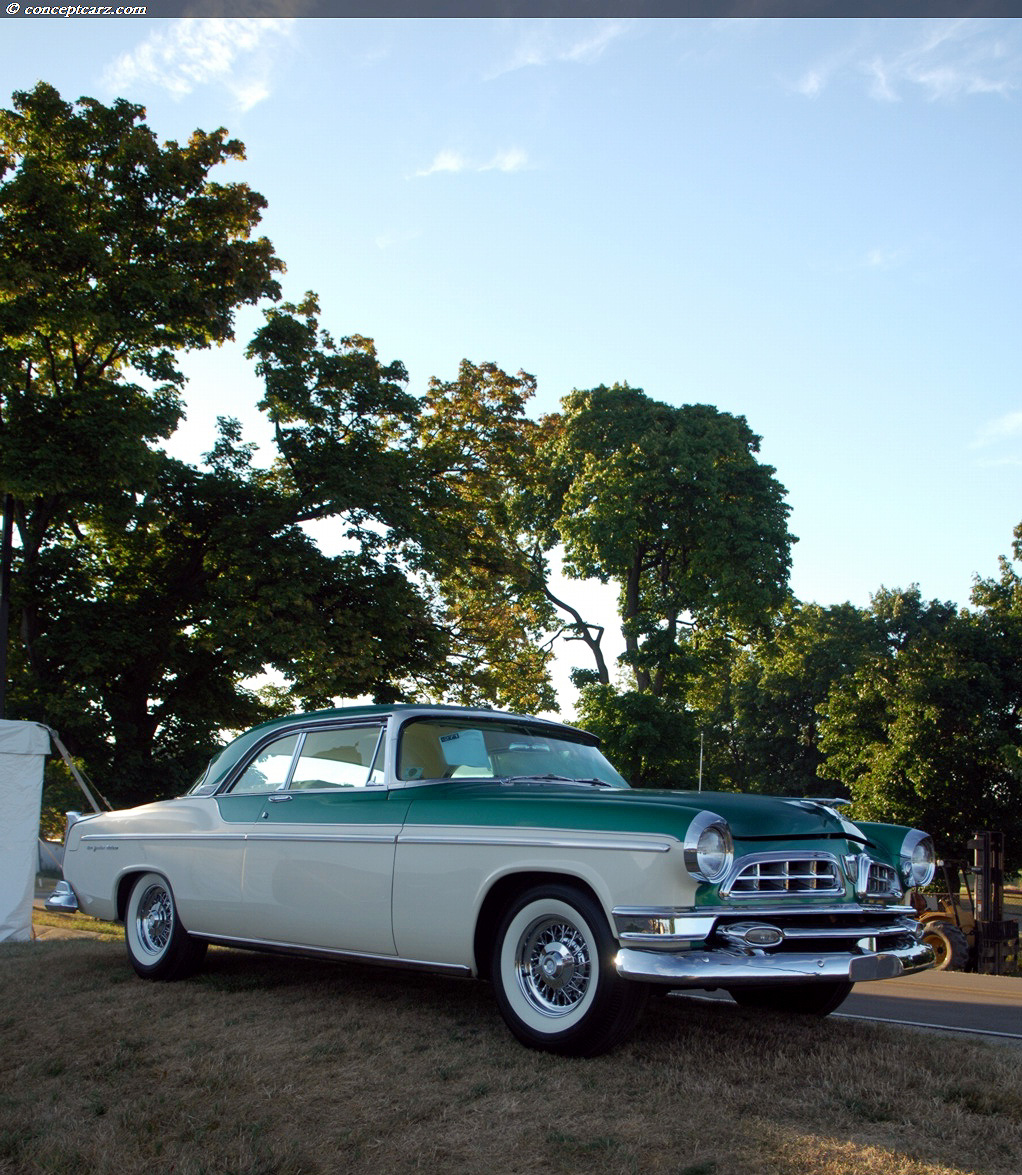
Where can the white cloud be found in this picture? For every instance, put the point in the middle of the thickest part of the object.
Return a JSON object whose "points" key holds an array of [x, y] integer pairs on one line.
{"points": [[941, 60], [552, 42], [879, 258], [811, 83], [513, 159], [1005, 427], [445, 161], [189, 53]]}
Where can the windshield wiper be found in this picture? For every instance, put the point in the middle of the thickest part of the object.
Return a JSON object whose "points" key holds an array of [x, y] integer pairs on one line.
{"points": [[551, 778]]}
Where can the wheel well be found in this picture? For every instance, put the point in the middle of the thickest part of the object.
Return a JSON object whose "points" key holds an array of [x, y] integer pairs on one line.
{"points": [[124, 889], [502, 893]]}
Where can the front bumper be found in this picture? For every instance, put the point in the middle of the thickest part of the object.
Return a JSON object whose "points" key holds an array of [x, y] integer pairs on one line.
{"points": [[723, 967]]}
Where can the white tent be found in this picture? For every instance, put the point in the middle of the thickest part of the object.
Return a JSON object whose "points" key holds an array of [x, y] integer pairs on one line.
{"points": [[23, 750]]}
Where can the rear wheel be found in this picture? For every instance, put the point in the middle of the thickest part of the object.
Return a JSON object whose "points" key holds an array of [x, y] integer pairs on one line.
{"points": [[554, 977], [808, 999], [158, 945], [949, 944]]}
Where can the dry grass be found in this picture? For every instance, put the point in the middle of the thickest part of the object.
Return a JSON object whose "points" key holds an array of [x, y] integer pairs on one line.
{"points": [[268, 1066], [80, 923]]}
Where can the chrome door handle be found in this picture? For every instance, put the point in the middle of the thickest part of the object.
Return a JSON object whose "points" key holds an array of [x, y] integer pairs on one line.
{"points": [[280, 799]]}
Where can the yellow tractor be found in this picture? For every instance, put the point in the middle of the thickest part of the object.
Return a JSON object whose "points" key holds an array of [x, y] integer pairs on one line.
{"points": [[972, 936], [948, 927]]}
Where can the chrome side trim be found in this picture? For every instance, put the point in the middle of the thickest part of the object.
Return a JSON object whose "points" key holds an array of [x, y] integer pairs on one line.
{"points": [[730, 968], [163, 836], [543, 840], [288, 948], [205, 837], [347, 838]]}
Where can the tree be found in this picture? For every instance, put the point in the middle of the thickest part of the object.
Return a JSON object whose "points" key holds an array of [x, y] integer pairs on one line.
{"points": [[652, 741], [760, 704], [489, 575], [147, 590], [926, 731], [161, 612], [115, 255], [671, 504]]}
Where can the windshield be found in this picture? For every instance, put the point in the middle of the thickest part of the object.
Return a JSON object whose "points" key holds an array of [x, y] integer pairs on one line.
{"points": [[446, 749], [206, 784]]}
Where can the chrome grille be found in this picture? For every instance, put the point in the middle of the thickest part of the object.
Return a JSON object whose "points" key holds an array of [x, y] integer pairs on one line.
{"points": [[770, 876], [881, 881]]}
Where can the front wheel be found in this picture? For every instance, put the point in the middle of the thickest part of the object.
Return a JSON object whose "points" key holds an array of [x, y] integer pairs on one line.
{"points": [[554, 977], [158, 945], [808, 999]]}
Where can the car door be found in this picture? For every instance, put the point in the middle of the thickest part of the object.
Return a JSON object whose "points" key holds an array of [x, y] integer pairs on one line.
{"points": [[319, 857]]}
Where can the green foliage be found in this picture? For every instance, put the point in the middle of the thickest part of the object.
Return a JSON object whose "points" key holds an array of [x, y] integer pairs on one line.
{"points": [[760, 703], [926, 730], [651, 741], [477, 446], [116, 253], [671, 504], [147, 592]]}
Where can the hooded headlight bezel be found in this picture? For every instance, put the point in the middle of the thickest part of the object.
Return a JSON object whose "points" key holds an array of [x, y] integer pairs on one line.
{"points": [[709, 847], [918, 858]]}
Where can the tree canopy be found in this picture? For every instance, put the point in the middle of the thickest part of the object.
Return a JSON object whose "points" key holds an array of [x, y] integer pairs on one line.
{"points": [[671, 505], [152, 595]]}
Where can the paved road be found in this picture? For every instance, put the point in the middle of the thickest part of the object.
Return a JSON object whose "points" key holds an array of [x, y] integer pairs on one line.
{"points": [[943, 999], [950, 1000]]}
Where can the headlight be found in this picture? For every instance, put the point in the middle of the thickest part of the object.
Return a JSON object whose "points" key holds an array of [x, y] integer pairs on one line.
{"points": [[709, 850], [917, 858]]}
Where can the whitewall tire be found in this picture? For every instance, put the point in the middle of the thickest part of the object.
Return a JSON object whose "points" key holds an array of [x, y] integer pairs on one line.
{"points": [[554, 977], [158, 945]]}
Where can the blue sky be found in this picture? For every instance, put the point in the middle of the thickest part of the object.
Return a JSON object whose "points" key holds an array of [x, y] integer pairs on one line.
{"points": [[813, 224]]}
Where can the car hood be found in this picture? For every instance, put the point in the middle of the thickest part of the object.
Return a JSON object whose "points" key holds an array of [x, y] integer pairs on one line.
{"points": [[549, 804]]}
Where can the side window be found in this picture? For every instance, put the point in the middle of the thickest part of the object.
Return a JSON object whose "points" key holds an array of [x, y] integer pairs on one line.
{"points": [[348, 756], [268, 771]]}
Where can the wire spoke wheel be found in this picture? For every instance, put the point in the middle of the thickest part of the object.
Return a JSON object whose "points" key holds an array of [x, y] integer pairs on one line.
{"points": [[554, 977], [554, 965], [158, 945], [154, 921]]}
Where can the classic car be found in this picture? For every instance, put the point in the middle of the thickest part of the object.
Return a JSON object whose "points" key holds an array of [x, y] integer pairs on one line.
{"points": [[504, 847]]}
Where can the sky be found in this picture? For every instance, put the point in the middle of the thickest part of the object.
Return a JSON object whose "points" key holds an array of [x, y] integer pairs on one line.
{"points": [[812, 224]]}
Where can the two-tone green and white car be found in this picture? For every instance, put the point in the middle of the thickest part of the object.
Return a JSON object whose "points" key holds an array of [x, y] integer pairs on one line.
{"points": [[504, 847]]}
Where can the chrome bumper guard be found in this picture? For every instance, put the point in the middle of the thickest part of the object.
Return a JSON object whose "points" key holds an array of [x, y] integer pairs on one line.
{"points": [[62, 900], [731, 968]]}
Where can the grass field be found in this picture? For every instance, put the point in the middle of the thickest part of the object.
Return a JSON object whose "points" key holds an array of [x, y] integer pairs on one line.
{"points": [[269, 1066]]}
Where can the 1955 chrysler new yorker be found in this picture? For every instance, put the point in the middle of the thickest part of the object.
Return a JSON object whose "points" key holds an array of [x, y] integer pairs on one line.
{"points": [[504, 847]]}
